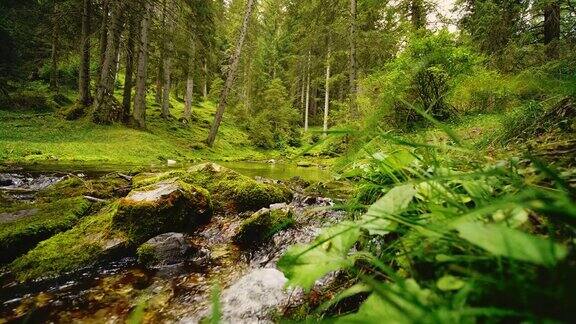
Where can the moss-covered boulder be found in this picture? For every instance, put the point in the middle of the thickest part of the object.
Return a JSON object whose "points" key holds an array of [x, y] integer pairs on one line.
{"points": [[106, 187], [234, 192], [25, 226], [167, 206], [91, 240], [230, 191], [263, 224]]}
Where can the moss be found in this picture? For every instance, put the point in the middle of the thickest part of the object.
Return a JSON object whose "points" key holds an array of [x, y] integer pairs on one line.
{"points": [[76, 248], [181, 209], [106, 187], [230, 191], [35, 223], [262, 225], [146, 254], [234, 192]]}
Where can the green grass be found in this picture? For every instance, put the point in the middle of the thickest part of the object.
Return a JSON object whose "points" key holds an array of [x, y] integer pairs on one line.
{"points": [[27, 138]]}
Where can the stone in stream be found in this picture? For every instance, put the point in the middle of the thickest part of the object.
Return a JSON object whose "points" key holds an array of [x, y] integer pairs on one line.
{"points": [[6, 182], [231, 192], [162, 207], [254, 298], [263, 224], [165, 249]]}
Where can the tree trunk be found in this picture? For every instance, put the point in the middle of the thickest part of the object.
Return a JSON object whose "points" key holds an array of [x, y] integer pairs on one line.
{"points": [[353, 66], [189, 86], [160, 78], [552, 28], [327, 93], [107, 109], [54, 84], [103, 36], [139, 112], [307, 110], [130, 53], [205, 86], [85, 97], [418, 14], [231, 73], [166, 65]]}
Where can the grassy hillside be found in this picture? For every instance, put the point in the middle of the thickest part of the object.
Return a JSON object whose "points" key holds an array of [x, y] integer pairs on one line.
{"points": [[47, 138]]}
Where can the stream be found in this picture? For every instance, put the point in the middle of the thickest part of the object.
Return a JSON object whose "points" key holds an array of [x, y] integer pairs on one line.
{"points": [[120, 290]]}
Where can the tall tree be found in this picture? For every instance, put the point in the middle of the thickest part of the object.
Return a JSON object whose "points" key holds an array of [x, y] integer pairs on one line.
{"points": [[188, 98], [130, 55], [166, 63], [231, 73], [327, 90], [552, 27], [54, 84], [85, 96], [353, 65], [139, 112], [106, 107], [103, 36]]}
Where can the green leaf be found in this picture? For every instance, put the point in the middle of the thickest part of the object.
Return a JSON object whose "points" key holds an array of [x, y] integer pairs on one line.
{"points": [[376, 219], [447, 283], [393, 304], [507, 242], [304, 264]]}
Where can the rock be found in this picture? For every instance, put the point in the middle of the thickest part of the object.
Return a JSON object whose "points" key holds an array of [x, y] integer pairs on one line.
{"points": [[234, 192], [271, 161], [278, 206], [230, 191], [171, 163], [165, 249], [163, 207], [263, 224], [304, 164], [106, 187], [92, 239], [22, 229], [6, 182], [254, 297], [16, 215]]}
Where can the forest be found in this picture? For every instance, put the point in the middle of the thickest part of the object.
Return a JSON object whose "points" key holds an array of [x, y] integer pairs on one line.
{"points": [[287, 161]]}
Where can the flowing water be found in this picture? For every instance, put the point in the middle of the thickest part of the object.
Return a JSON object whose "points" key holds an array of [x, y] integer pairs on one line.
{"points": [[113, 292]]}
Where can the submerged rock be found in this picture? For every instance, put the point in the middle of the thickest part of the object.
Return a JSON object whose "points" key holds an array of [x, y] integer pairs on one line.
{"points": [[165, 249], [162, 207], [263, 224]]}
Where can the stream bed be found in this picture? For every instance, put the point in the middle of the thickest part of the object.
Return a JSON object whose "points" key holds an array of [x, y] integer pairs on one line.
{"points": [[119, 290]]}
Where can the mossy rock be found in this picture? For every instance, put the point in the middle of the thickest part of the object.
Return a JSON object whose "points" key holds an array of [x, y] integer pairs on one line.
{"points": [[91, 240], [24, 227], [235, 192], [230, 191], [169, 206], [262, 225], [146, 254], [106, 187]]}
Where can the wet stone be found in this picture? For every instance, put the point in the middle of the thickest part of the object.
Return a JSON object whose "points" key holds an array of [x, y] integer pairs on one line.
{"points": [[165, 249], [10, 217]]}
